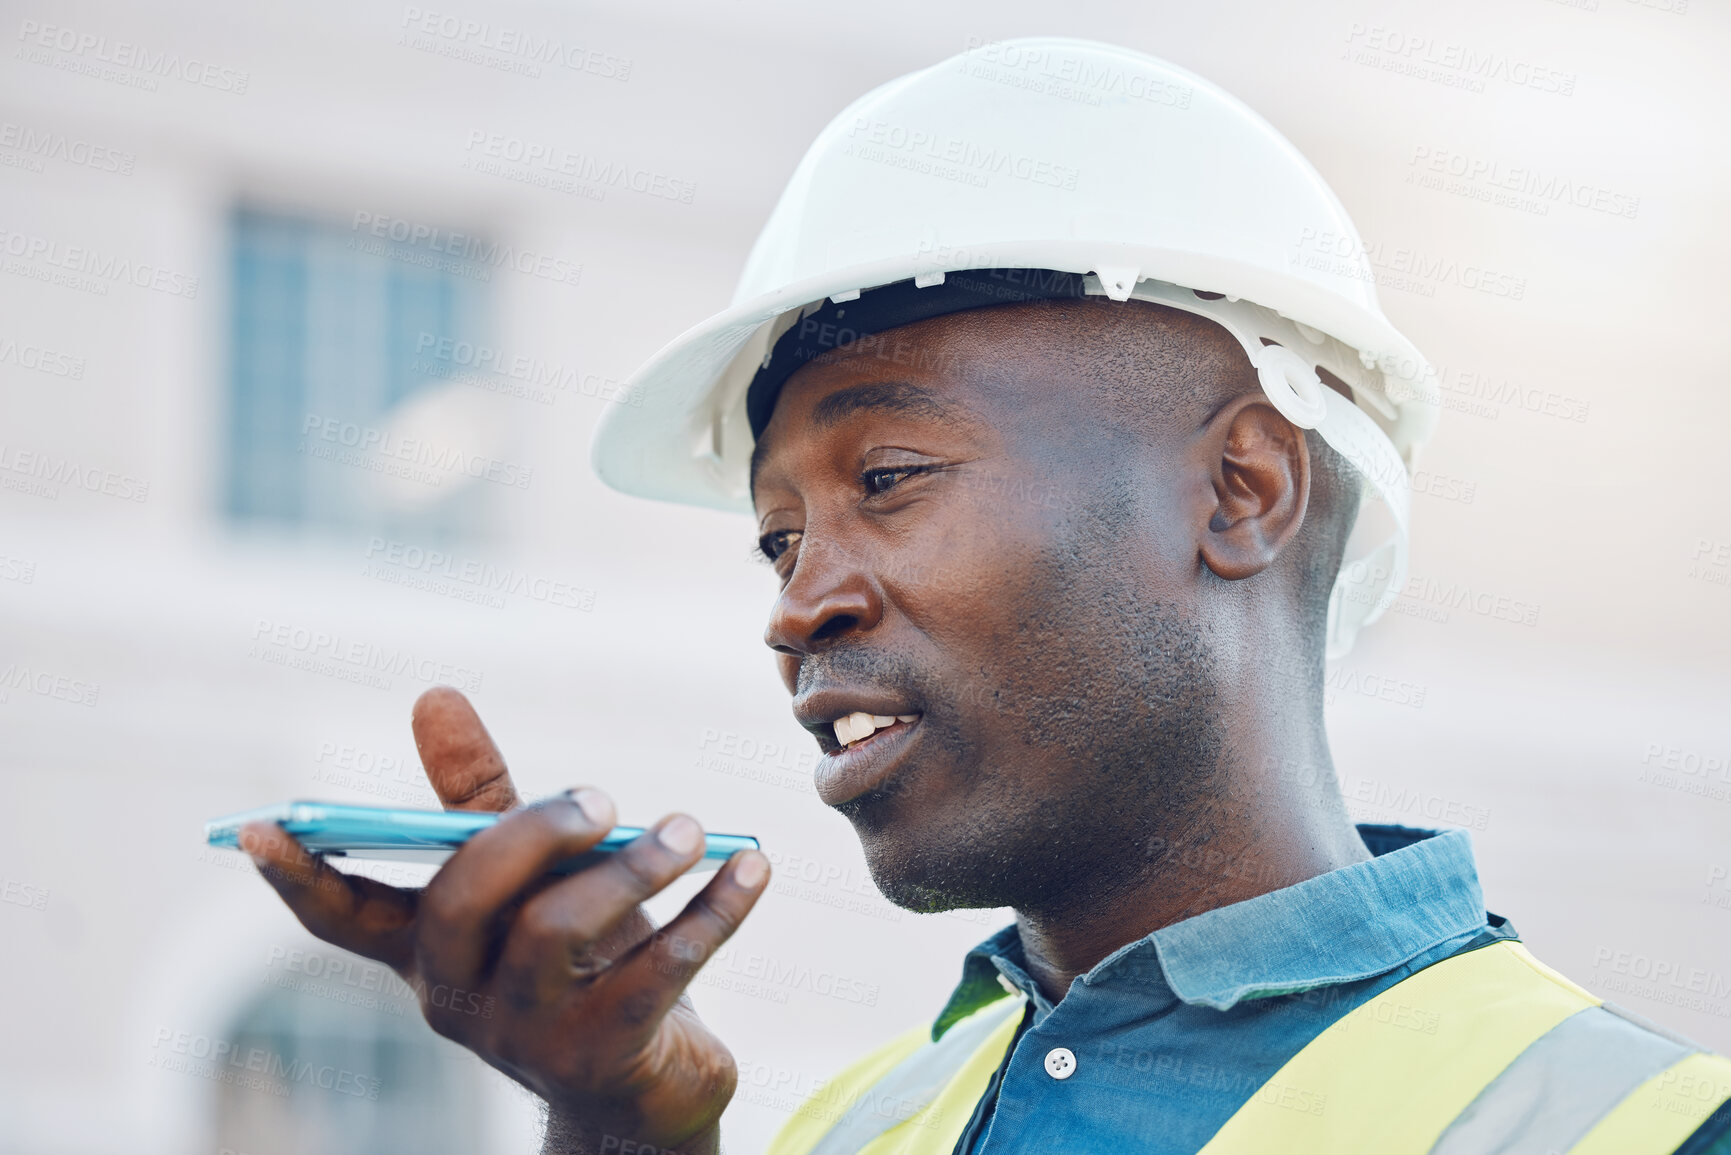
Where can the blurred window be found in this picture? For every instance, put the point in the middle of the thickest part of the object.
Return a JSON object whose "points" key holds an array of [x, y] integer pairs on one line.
{"points": [[335, 1070], [333, 331]]}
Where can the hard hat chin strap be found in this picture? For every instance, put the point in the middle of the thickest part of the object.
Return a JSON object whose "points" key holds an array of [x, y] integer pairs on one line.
{"points": [[1287, 357]]}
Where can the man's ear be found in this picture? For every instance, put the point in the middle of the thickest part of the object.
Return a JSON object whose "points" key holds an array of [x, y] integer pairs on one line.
{"points": [[1261, 482]]}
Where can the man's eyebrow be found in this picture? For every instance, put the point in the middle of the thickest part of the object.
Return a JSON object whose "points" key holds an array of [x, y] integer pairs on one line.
{"points": [[880, 396], [886, 397]]}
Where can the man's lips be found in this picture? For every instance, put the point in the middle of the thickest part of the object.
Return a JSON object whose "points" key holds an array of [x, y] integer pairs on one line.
{"points": [[846, 773], [863, 731]]}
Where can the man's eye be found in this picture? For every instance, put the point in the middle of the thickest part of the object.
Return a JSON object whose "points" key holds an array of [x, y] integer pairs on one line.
{"points": [[778, 541], [882, 480]]}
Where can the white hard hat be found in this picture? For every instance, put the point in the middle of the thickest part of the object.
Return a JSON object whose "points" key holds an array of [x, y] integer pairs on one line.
{"points": [[1143, 180]]}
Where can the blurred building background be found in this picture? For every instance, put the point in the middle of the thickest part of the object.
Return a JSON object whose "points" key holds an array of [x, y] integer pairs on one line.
{"points": [[307, 314]]}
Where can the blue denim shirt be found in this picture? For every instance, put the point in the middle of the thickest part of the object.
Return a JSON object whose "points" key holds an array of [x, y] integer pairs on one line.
{"points": [[1174, 1032]]}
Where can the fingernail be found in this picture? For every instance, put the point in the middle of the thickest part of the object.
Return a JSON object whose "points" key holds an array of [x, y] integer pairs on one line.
{"points": [[596, 806], [753, 868], [680, 835]]}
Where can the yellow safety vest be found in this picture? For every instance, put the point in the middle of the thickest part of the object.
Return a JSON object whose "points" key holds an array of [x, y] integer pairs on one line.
{"points": [[1512, 1066]]}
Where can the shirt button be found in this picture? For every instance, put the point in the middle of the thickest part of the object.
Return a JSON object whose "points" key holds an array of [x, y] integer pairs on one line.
{"points": [[1060, 1063]]}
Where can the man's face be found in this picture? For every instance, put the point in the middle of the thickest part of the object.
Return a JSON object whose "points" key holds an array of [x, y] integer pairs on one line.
{"points": [[971, 546]]}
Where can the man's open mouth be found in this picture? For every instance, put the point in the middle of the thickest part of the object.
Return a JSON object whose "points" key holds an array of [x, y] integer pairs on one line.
{"points": [[862, 750], [859, 727]]}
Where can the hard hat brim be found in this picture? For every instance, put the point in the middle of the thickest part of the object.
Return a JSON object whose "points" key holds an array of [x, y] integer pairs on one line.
{"points": [[682, 436]]}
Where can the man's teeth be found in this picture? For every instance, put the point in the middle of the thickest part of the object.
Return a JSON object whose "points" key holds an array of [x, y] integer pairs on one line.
{"points": [[859, 725]]}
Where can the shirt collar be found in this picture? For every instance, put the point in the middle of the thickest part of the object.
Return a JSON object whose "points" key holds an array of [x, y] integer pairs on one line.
{"points": [[1420, 890]]}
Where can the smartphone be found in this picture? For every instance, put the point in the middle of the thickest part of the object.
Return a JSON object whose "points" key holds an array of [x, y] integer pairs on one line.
{"points": [[421, 835]]}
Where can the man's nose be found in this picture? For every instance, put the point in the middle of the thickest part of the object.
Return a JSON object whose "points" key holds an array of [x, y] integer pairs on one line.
{"points": [[830, 595]]}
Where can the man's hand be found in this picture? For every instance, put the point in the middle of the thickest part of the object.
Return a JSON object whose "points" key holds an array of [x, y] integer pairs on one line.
{"points": [[563, 983]]}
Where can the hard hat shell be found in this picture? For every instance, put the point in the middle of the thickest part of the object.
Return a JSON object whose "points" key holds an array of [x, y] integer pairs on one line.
{"points": [[1044, 153]]}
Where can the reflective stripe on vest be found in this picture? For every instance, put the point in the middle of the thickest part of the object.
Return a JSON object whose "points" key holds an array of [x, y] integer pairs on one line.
{"points": [[1522, 1060], [910, 1089], [878, 1121]]}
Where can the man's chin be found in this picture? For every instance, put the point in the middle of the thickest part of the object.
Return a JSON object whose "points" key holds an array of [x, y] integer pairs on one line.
{"points": [[923, 873], [920, 899]]}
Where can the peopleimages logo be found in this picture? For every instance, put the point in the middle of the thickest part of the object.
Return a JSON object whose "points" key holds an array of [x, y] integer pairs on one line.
{"points": [[1426, 593], [1711, 561], [24, 894], [79, 261], [87, 52], [431, 244], [302, 647], [951, 157], [496, 370], [1486, 178], [47, 684], [1474, 391], [484, 580], [1444, 62], [518, 50], [42, 475], [17, 569], [253, 1067], [43, 360], [376, 448], [562, 170], [1067, 76], [41, 144], [385, 776], [1407, 269], [1663, 980]]}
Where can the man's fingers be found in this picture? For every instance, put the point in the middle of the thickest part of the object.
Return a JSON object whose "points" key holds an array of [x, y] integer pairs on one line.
{"points": [[644, 986], [564, 934], [461, 906], [357, 914], [466, 769]]}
